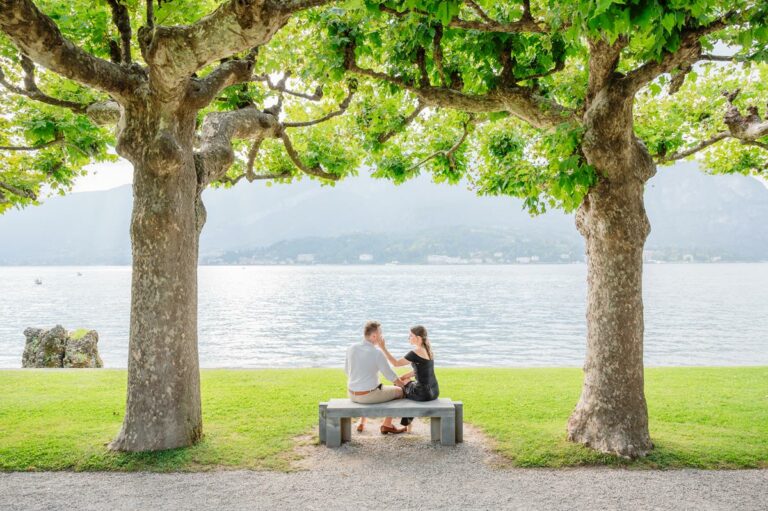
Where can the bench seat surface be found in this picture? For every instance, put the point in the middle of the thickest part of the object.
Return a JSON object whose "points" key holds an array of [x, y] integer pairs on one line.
{"points": [[398, 407]]}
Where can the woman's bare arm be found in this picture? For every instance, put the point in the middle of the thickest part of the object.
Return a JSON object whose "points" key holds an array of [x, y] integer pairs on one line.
{"points": [[392, 360]]}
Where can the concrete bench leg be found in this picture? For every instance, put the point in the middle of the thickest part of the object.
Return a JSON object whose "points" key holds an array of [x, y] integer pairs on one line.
{"points": [[333, 432], [434, 423], [322, 412], [459, 421], [448, 431], [346, 429]]}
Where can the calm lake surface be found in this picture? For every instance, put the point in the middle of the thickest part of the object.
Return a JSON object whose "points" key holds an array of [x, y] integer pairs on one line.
{"points": [[305, 316]]}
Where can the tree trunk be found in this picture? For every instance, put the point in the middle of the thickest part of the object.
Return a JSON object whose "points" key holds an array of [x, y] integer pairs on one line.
{"points": [[612, 416], [163, 408]]}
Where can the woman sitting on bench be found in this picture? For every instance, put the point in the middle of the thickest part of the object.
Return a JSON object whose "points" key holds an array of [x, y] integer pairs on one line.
{"points": [[421, 359]]}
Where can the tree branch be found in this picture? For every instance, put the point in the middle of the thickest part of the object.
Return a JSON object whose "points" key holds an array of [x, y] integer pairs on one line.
{"points": [[202, 91], [20, 192], [316, 171], [559, 66], [679, 155], [31, 90], [420, 106], [37, 147], [486, 24], [745, 128], [122, 21], [216, 153], [37, 36], [175, 53], [603, 60], [479, 11], [522, 102], [150, 13], [100, 112], [755, 143], [449, 152], [718, 58], [687, 53], [342, 108], [437, 53], [678, 79], [281, 87], [291, 6], [254, 177]]}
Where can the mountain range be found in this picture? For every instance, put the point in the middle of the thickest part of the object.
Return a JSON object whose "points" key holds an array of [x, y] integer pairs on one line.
{"points": [[692, 215]]}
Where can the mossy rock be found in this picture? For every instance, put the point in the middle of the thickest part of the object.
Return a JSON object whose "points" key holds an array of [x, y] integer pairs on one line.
{"points": [[55, 348]]}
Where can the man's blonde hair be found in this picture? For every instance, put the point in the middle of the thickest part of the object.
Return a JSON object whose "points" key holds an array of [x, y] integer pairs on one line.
{"points": [[371, 327]]}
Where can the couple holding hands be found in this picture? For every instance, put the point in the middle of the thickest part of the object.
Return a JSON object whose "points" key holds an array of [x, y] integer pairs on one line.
{"points": [[366, 359]]}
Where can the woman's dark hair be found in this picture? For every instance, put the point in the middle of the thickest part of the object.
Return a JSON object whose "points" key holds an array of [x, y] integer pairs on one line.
{"points": [[422, 332]]}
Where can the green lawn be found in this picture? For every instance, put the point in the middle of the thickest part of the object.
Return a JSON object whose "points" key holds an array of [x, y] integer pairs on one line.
{"points": [[62, 419]]}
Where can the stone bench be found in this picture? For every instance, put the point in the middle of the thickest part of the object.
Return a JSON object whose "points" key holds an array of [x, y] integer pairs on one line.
{"points": [[447, 418]]}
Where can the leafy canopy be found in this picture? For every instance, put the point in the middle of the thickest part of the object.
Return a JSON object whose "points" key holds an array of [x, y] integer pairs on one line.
{"points": [[481, 52], [407, 49]]}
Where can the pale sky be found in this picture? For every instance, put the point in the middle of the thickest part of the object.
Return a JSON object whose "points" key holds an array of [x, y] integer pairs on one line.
{"points": [[103, 176]]}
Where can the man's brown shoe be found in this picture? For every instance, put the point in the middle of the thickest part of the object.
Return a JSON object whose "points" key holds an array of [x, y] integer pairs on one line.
{"points": [[391, 429]]}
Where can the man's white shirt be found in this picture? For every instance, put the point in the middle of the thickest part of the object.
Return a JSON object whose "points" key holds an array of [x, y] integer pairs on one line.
{"points": [[364, 362]]}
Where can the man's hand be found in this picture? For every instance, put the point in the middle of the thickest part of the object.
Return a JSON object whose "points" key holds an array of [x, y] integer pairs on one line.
{"points": [[381, 343]]}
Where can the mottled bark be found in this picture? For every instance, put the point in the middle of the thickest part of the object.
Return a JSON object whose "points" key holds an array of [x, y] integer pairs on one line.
{"points": [[163, 407], [611, 415]]}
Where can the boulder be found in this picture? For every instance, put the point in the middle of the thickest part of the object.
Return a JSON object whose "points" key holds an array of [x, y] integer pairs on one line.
{"points": [[33, 335], [82, 350], [57, 348], [44, 348]]}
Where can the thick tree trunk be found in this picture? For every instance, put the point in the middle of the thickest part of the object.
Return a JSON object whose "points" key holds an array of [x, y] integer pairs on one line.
{"points": [[163, 409], [612, 415]]}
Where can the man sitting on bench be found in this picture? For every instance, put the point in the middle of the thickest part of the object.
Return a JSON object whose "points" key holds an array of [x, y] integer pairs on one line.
{"points": [[363, 365]]}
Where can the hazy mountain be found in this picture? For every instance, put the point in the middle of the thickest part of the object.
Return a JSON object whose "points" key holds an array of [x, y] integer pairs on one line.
{"points": [[440, 245], [690, 213]]}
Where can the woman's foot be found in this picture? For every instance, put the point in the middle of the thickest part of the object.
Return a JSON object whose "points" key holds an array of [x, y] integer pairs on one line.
{"points": [[360, 427], [391, 429]]}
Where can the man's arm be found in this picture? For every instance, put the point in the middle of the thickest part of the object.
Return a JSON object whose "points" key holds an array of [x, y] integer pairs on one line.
{"points": [[387, 371]]}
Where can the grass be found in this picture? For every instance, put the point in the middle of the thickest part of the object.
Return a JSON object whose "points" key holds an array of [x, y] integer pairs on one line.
{"points": [[62, 419]]}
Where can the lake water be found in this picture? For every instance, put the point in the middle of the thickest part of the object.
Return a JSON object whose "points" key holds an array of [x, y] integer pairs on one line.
{"points": [[305, 316]]}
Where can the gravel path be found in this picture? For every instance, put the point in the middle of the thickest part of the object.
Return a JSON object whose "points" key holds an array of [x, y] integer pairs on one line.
{"points": [[402, 472]]}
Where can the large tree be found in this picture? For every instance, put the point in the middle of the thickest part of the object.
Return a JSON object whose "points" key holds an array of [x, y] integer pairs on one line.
{"points": [[566, 104], [194, 100]]}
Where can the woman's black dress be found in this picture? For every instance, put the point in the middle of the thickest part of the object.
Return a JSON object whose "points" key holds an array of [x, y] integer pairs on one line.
{"points": [[425, 387]]}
